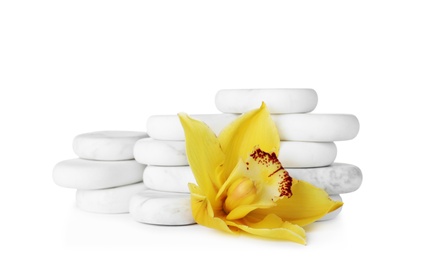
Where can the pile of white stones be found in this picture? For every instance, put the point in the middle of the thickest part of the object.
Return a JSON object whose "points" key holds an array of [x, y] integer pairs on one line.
{"points": [[105, 175], [108, 180]]}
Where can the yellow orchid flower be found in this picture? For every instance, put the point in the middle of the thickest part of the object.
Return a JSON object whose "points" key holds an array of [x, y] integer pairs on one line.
{"points": [[241, 185]]}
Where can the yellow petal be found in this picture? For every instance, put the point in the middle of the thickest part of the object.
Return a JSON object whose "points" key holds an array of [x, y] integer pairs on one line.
{"points": [[306, 205], [203, 212], [204, 154], [272, 226], [254, 128]]}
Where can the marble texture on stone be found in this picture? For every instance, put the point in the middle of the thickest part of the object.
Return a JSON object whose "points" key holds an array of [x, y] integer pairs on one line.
{"points": [[335, 213], [338, 178], [89, 175], [306, 154], [158, 152], [172, 179], [108, 201], [107, 145], [291, 127], [316, 127], [161, 208], [292, 154], [168, 127], [278, 101]]}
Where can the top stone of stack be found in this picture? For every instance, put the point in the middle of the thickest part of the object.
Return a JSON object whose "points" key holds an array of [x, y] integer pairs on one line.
{"points": [[107, 145], [278, 101]]}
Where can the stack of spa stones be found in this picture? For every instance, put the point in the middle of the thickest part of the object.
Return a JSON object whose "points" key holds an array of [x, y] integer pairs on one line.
{"points": [[307, 150], [105, 175]]}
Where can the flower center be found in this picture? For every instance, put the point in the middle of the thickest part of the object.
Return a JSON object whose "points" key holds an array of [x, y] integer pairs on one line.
{"points": [[241, 192]]}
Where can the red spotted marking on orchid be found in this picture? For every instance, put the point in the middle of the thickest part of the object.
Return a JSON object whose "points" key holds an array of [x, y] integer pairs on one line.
{"points": [[266, 159]]}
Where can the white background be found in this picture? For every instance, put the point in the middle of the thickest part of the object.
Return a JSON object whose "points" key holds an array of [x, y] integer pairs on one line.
{"points": [[69, 67]]}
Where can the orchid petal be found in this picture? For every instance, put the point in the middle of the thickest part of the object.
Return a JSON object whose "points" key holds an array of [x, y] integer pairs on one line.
{"points": [[238, 139], [204, 154], [306, 205], [272, 226], [203, 212]]}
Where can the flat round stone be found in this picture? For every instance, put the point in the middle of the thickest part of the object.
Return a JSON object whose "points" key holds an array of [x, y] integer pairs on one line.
{"points": [[108, 201], [88, 174], [107, 145], [337, 178], [306, 154], [278, 101], [168, 127], [292, 154], [172, 179], [316, 127], [291, 127], [161, 208], [335, 213], [159, 152]]}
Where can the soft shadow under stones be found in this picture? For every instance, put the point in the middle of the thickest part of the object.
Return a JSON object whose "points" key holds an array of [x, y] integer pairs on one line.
{"points": [[316, 226]]}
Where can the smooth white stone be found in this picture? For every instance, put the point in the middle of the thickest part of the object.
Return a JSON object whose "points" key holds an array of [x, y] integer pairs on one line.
{"points": [[90, 175], [107, 145], [278, 101], [109, 201], [306, 154], [338, 178], [291, 127], [158, 152], [292, 154], [316, 127], [172, 178], [335, 213], [162, 208], [168, 127]]}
